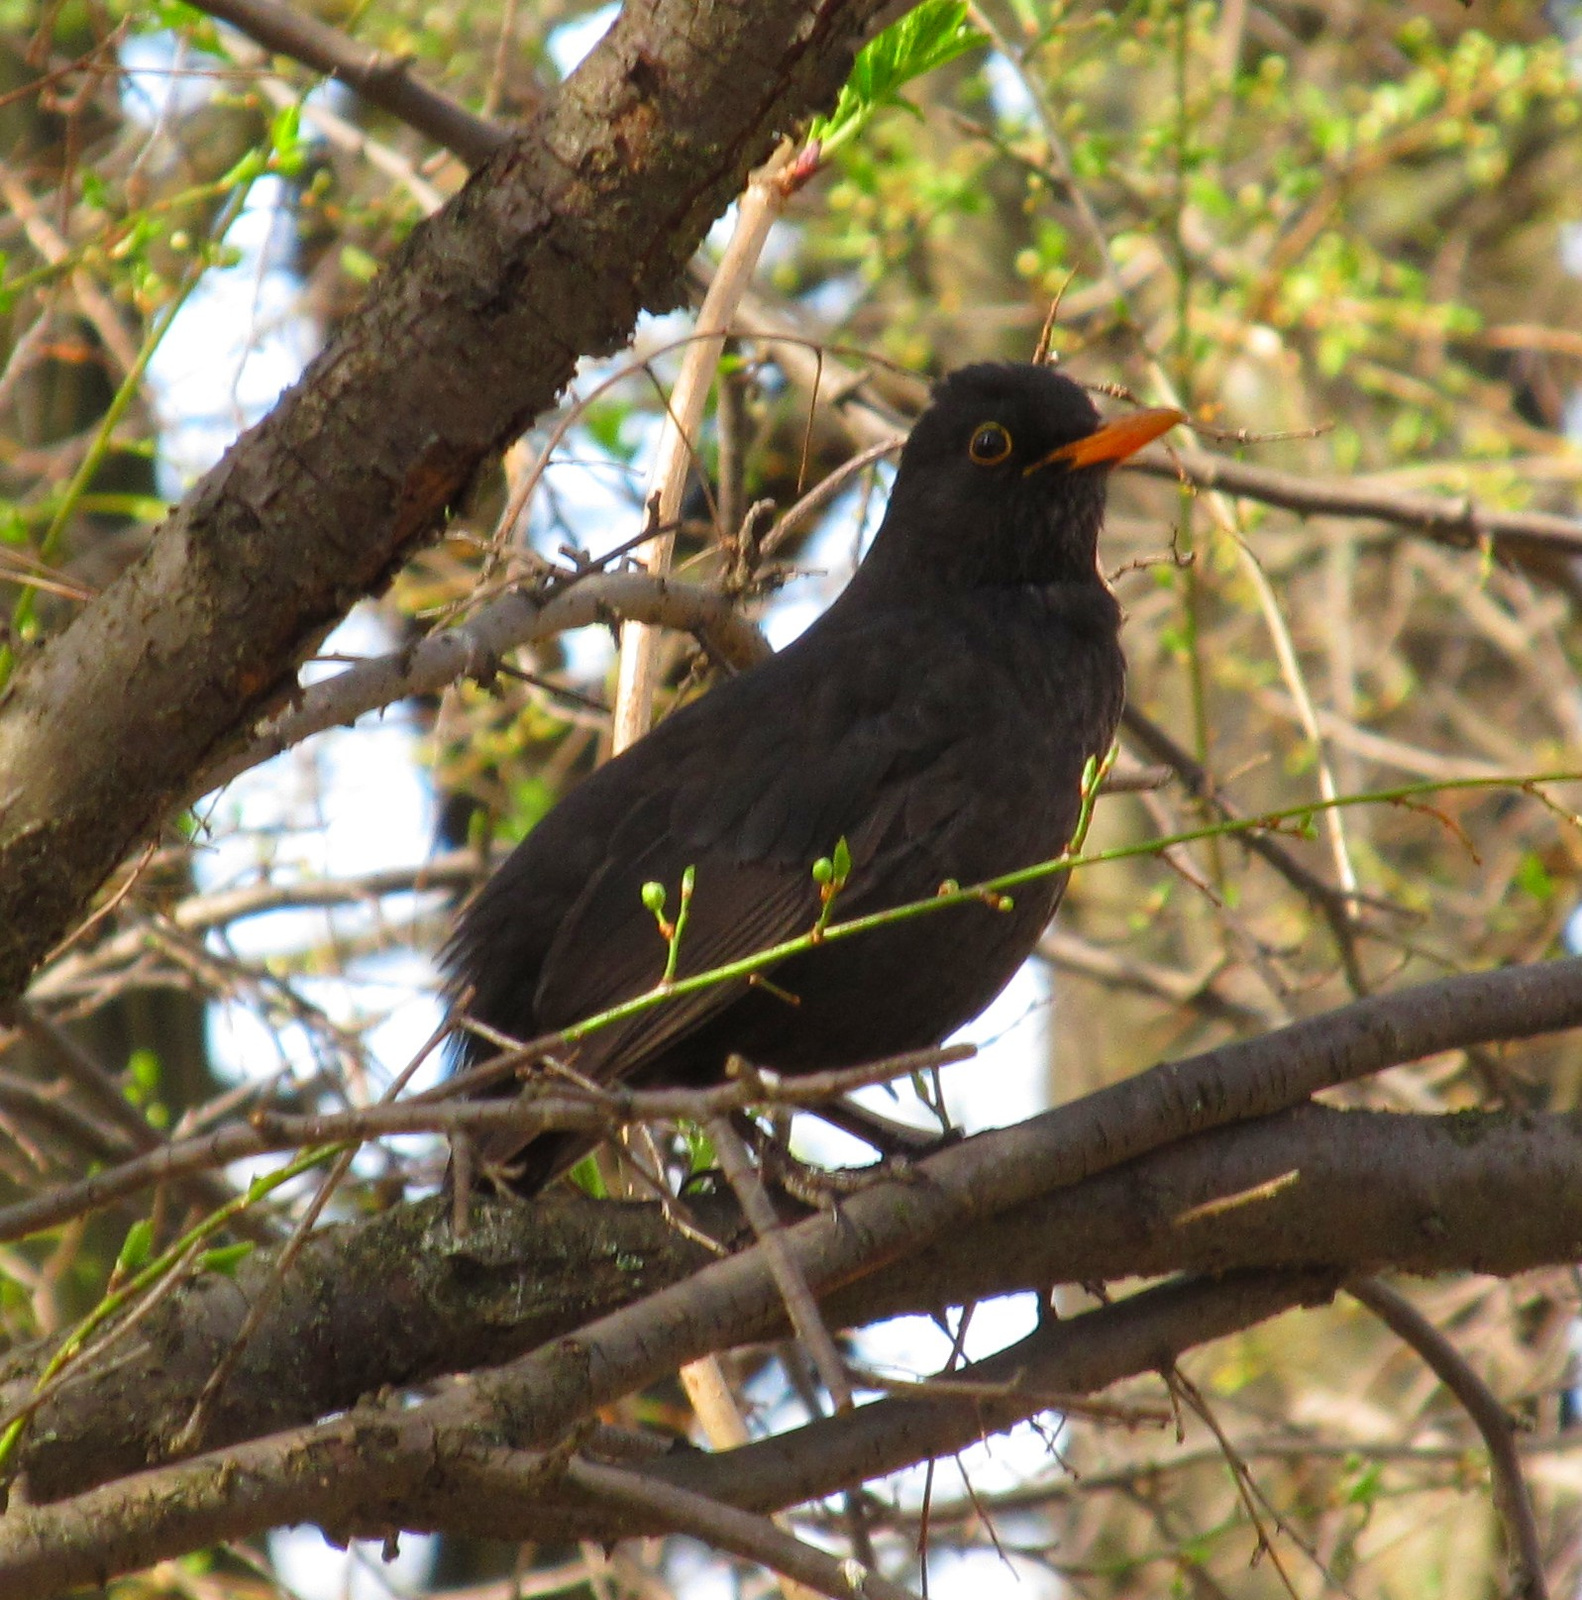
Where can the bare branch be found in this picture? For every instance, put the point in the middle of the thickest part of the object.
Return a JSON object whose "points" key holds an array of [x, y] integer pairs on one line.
{"points": [[726, 1528], [1450, 1367], [474, 649], [1349, 1191], [1538, 540], [382, 80]]}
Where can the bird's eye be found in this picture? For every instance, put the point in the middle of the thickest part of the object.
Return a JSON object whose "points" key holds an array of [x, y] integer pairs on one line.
{"points": [[991, 444]]}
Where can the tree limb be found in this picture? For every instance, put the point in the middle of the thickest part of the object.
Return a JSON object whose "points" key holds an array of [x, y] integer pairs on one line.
{"points": [[473, 649], [436, 1465], [382, 80]]}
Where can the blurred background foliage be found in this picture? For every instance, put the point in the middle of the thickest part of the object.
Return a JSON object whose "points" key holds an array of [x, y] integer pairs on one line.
{"points": [[1356, 225]]}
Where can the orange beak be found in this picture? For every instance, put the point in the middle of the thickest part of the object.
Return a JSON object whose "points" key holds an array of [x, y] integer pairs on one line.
{"points": [[1115, 441]]}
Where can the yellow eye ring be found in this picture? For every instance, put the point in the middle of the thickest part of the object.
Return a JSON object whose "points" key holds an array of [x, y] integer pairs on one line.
{"points": [[990, 445]]}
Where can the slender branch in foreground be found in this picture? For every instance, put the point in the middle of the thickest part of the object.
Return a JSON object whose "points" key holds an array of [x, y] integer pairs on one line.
{"points": [[1450, 1367], [759, 207], [563, 1105], [740, 1532], [382, 80], [799, 1302]]}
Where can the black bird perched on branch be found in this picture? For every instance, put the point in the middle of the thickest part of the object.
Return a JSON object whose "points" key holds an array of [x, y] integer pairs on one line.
{"points": [[937, 719]]}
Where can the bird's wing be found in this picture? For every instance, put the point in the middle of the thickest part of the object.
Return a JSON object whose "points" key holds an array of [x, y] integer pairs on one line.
{"points": [[748, 787]]}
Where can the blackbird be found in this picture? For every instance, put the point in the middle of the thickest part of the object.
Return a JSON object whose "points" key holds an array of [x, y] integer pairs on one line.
{"points": [[937, 718]]}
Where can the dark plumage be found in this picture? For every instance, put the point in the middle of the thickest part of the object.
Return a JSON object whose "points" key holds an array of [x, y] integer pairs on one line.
{"points": [[938, 717]]}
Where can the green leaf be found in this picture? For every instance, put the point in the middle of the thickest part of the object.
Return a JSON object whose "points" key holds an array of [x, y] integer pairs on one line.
{"points": [[285, 133], [841, 860], [225, 1259], [700, 1148], [139, 1243], [142, 1068], [927, 37], [358, 265], [589, 1179], [1532, 877]]}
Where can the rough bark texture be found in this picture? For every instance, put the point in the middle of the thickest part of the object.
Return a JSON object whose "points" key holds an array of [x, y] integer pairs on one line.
{"points": [[379, 1468], [396, 1300], [393, 1300], [548, 254]]}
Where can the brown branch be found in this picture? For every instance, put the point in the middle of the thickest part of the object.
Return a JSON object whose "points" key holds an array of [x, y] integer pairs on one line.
{"points": [[382, 80], [429, 1466], [439, 1110], [766, 1225], [474, 649], [1535, 539], [1488, 1415], [399, 1300], [726, 1528], [1144, 1333]]}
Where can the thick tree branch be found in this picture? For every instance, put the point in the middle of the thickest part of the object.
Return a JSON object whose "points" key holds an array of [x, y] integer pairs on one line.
{"points": [[436, 1465], [548, 254]]}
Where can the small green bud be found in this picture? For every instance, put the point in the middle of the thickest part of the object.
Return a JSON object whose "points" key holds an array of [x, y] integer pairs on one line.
{"points": [[654, 897], [823, 872]]}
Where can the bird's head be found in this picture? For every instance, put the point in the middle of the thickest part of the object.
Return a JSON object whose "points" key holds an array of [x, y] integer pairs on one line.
{"points": [[1003, 479]]}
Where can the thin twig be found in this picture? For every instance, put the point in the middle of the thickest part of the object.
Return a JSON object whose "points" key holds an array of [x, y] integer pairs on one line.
{"points": [[800, 1305], [1331, 902], [429, 1113], [740, 1532], [757, 211], [383, 80], [1524, 1549]]}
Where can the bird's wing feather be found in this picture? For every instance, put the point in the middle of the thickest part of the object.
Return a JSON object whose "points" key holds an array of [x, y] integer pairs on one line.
{"points": [[830, 757]]}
